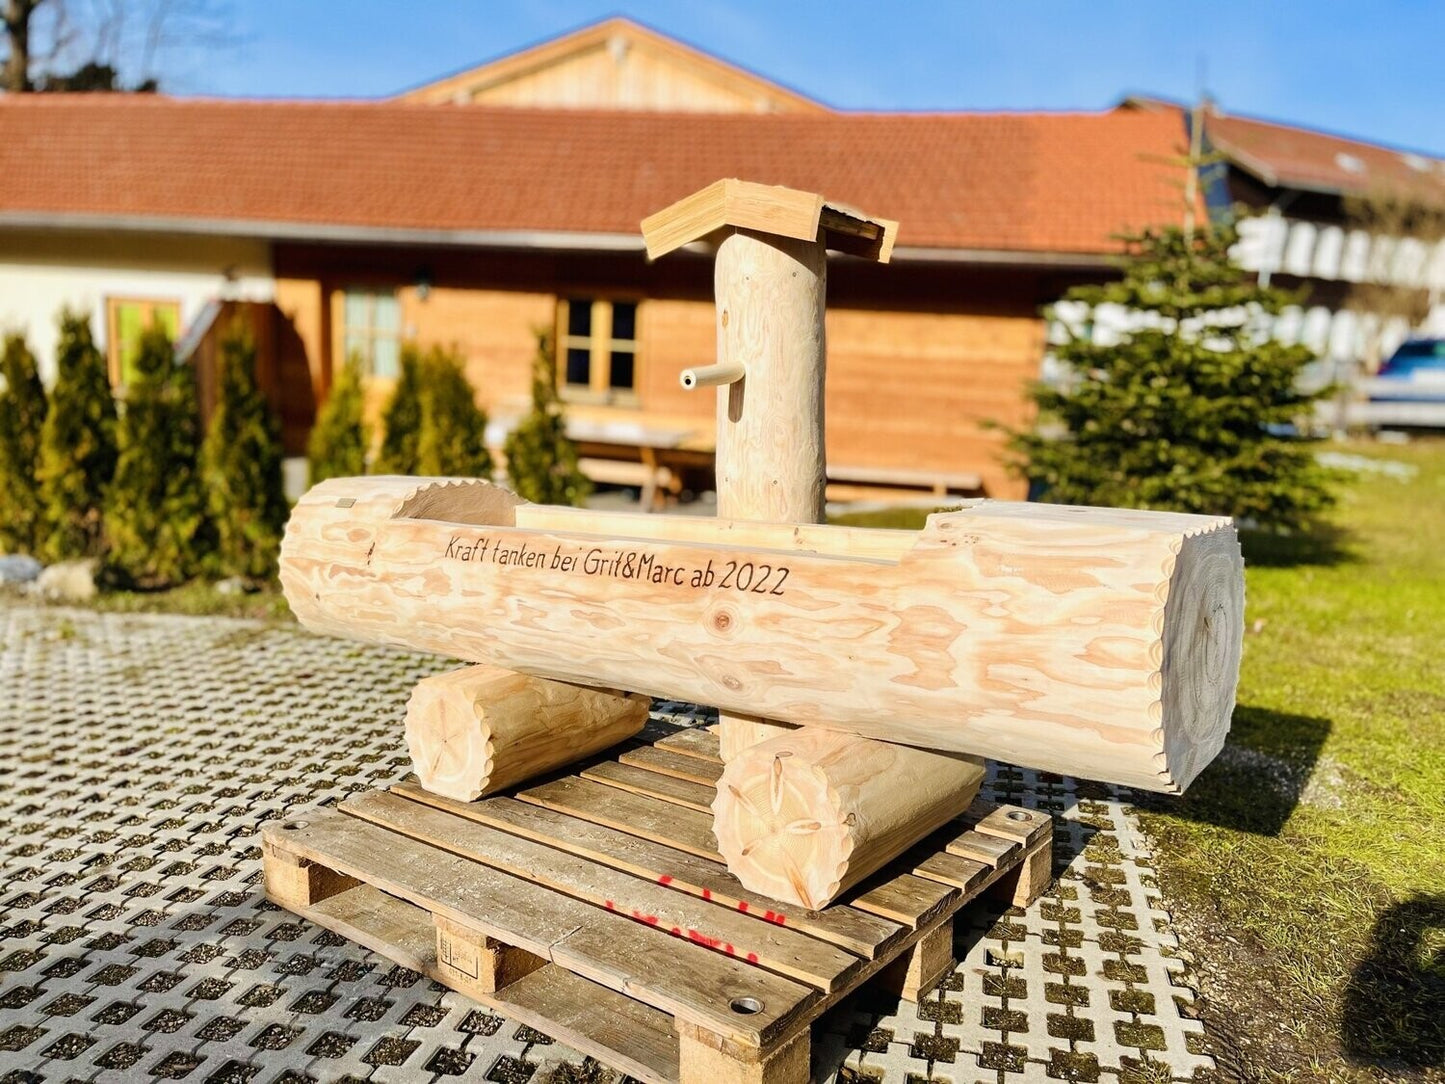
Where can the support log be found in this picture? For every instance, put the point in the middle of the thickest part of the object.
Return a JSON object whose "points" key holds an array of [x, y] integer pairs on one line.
{"points": [[482, 728], [801, 817]]}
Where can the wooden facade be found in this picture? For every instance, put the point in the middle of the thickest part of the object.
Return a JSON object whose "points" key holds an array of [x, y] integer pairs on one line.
{"points": [[920, 356], [614, 64]]}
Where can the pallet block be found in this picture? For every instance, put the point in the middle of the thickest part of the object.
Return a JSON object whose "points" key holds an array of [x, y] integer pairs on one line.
{"points": [[596, 909]]}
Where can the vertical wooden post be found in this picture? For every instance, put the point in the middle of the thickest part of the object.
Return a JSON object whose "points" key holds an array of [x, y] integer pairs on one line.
{"points": [[771, 298]]}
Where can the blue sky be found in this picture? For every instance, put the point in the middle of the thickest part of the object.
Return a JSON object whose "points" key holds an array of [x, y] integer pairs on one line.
{"points": [[1369, 70]]}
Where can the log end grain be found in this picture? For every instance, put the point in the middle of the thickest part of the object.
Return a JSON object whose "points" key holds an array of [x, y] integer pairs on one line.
{"points": [[805, 815], [476, 730], [1202, 640]]}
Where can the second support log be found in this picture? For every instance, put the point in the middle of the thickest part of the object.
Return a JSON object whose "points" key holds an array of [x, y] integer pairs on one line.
{"points": [[804, 816]]}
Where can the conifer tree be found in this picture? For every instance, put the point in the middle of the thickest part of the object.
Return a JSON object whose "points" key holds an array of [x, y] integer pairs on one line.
{"points": [[452, 440], [340, 438], [401, 418], [241, 466], [154, 512], [1190, 407], [22, 416], [542, 463], [77, 446]]}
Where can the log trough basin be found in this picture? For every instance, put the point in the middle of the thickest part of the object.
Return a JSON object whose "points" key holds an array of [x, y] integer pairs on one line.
{"points": [[1093, 642]]}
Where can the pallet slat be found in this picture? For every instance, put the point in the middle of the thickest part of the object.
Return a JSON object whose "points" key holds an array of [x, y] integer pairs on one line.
{"points": [[677, 764], [666, 788], [695, 984], [1026, 826], [913, 901], [634, 814], [694, 741], [993, 851], [788, 952], [851, 929], [634, 1037]]}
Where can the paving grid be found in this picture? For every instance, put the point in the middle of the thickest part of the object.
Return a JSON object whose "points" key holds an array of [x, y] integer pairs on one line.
{"points": [[140, 754]]}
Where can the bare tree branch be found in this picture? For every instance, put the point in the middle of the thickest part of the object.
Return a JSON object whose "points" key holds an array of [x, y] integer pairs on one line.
{"points": [[104, 44]]}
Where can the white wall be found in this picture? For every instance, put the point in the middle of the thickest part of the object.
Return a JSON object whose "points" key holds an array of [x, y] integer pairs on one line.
{"points": [[1274, 243], [41, 271]]}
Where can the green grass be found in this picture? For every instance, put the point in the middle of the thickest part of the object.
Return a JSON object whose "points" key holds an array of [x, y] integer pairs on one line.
{"points": [[196, 599], [1317, 841], [906, 518]]}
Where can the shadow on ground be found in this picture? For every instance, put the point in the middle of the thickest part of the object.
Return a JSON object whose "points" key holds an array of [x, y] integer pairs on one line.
{"points": [[1323, 546], [1259, 777], [1394, 1006]]}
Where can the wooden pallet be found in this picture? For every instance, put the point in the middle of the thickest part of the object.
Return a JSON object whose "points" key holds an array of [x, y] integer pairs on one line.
{"points": [[596, 909]]}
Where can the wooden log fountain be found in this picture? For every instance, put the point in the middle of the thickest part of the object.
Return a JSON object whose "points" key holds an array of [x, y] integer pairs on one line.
{"points": [[1095, 642]]}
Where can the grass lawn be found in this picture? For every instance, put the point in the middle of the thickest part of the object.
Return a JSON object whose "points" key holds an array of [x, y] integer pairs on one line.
{"points": [[1307, 865], [199, 598]]}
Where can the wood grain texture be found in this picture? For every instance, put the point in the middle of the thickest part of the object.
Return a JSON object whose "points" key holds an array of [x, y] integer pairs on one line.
{"points": [[860, 933], [785, 213], [737, 733], [627, 956], [771, 295], [625, 1033], [806, 815], [476, 730], [722, 929], [1044, 635]]}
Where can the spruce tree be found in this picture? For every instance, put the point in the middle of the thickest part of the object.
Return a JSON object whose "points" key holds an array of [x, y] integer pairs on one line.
{"points": [[77, 446], [154, 512], [340, 437], [452, 440], [542, 463], [401, 419], [1191, 407], [22, 417], [241, 466]]}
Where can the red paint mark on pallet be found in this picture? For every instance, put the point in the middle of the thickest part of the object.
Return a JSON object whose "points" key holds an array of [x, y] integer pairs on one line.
{"points": [[610, 905], [665, 879], [752, 957], [651, 920], [704, 939], [707, 893], [776, 918], [743, 906]]}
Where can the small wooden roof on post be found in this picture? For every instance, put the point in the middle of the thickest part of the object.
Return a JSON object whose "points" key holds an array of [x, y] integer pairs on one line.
{"points": [[770, 209]]}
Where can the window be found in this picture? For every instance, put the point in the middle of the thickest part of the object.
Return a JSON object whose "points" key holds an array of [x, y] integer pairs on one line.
{"points": [[597, 359], [125, 320], [371, 331]]}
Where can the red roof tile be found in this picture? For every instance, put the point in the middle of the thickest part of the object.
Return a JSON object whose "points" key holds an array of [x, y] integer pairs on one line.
{"points": [[1281, 155], [1064, 183]]}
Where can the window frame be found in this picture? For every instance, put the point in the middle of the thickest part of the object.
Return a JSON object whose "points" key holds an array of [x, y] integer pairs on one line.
{"points": [[600, 346], [370, 333], [114, 364]]}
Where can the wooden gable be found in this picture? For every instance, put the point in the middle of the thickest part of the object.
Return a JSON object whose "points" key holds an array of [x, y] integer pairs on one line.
{"points": [[615, 64]]}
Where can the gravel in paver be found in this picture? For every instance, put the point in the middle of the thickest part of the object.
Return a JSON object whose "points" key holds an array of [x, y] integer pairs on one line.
{"points": [[139, 756]]}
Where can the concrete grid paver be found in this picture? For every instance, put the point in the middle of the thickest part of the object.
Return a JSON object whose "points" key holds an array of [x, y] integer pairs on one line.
{"points": [[139, 755]]}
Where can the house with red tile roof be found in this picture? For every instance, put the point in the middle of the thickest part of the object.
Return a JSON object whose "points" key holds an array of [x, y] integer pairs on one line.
{"points": [[495, 204], [1301, 193]]}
